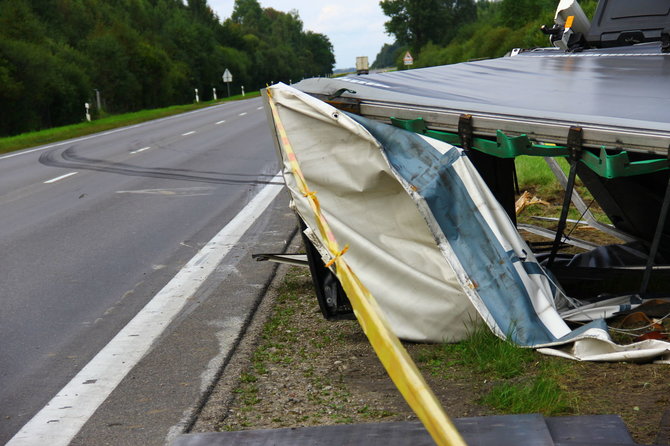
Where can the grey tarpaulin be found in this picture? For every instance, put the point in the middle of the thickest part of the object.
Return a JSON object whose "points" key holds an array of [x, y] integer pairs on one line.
{"points": [[622, 92]]}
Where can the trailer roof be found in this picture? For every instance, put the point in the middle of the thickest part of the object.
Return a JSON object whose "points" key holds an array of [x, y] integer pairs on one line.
{"points": [[620, 96]]}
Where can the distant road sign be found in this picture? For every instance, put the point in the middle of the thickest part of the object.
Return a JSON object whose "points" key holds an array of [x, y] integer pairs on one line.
{"points": [[227, 76], [408, 59]]}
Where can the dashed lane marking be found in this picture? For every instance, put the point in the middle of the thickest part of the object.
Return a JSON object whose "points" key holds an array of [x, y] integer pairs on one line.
{"points": [[62, 177], [110, 132]]}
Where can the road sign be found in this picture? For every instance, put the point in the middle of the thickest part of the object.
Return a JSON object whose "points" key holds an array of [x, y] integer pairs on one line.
{"points": [[227, 78], [408, 59]]}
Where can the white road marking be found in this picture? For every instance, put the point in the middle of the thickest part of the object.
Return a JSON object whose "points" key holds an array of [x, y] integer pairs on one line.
{"points": [[110, 132], [53, 180], [188, 133], [259, 108], [220, 122], [243, 113], [139, 150], [174, 192], [62, 418]]}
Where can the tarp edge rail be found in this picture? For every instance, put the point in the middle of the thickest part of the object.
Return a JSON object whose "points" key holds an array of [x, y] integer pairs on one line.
{"points": [[505, 146], [632, 136]]}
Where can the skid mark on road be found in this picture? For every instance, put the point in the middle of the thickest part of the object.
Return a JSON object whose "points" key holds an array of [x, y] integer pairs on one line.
{"points": [[70, 159]]}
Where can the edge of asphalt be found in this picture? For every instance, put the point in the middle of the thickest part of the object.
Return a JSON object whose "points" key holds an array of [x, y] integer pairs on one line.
{"points": [[220, 396], [173, 386]]}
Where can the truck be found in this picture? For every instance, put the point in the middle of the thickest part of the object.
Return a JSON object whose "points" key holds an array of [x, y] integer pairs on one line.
{"points": [[596, 98], [362, 66]]}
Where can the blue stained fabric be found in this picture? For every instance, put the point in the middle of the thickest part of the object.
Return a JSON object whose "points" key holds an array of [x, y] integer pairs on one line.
{"points": [[598, 323], [532, 268], [482, 256]]}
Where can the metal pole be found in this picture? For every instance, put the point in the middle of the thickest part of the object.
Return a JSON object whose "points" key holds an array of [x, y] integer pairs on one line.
{"points": [[214, 93], [228, 85], [656, 242], [575, 145]]}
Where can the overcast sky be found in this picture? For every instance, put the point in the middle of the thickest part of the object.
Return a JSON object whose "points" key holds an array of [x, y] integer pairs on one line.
{"points": [[354, 27]]}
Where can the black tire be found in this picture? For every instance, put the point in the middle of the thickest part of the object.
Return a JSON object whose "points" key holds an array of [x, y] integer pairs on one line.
{"points": [[333, 301]]}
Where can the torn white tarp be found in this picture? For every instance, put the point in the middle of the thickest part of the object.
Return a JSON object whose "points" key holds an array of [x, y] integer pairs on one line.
{"points": [[426, 236]]}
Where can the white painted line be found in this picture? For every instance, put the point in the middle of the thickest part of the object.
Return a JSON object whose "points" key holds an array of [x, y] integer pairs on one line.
{"points": [[243, 113], [188, 133], [110, 132], [53, 180], [139, 150], [220, 122], [62, 418], [259, 108]]}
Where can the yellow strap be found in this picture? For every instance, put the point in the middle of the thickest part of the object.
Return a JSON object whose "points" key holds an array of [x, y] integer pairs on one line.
{"points": [[339, 254], [391, 353]]}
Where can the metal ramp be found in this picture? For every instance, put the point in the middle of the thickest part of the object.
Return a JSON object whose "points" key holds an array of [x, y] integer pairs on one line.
{"points": [[501, 430]]}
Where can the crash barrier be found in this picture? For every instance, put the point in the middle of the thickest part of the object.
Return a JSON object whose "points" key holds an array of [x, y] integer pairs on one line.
{"points": [[393, 356]]}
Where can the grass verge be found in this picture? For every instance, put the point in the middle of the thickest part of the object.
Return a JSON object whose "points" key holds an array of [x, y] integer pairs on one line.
{"points": [[307, 371], [32, 139], [519, 379]]}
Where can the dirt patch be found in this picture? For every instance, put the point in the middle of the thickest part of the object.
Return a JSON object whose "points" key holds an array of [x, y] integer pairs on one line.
{"points": [[297, 369]]}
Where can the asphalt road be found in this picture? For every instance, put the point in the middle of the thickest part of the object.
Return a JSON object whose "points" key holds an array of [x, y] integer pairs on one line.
{"points": [[92, 229]]}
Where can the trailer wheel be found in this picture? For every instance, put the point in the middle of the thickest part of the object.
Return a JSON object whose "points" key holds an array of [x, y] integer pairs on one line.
{"points": [[333, 301]]}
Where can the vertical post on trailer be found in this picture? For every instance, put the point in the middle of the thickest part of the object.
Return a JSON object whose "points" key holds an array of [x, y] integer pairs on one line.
{"points": [[575, 145], [656, 241]]}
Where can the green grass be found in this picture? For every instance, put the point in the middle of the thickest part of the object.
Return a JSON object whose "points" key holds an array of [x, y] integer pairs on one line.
{"points": [[487, 354], [541, 395], [33, 139], [534, 173], [517, 380], [535, 176]]}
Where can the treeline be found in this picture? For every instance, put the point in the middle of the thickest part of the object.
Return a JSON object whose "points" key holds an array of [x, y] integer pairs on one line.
{"points": [[439, 32], [138, 54]]}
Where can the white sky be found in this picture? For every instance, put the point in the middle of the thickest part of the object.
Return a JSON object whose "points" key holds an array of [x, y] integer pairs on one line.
{"points": [[354, 27]]}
